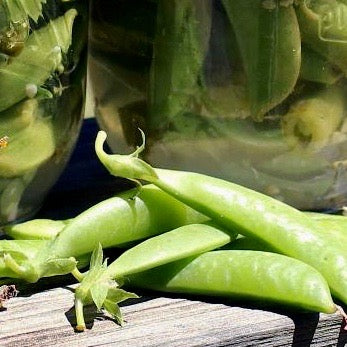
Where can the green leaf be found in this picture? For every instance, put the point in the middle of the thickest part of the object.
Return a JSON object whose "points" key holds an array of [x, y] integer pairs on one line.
{"points": [[98, 287], [115, 296], [118, 295], [97, 257], [99, 293], [113, 309]]}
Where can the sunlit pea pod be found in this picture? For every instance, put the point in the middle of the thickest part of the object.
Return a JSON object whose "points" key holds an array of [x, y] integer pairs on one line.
{"points": [[180, 243], [331, 44], [36, 229], [123, 219], [242, 274], [180, 46], [39, 59], [248, 212], [267, 37]]}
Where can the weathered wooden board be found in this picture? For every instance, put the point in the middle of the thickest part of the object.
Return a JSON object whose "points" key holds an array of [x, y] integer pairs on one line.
{"points": [[47, 318]]}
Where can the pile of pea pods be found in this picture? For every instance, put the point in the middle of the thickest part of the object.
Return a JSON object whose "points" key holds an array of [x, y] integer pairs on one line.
{"points": [[185, 232]]}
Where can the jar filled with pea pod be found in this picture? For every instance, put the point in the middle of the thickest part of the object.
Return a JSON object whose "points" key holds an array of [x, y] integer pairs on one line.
{"points": [[252, 91], [42, 72]]}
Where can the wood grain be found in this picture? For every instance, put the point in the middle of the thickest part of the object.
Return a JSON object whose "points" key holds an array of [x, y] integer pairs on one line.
{"points": [[47, 318]]}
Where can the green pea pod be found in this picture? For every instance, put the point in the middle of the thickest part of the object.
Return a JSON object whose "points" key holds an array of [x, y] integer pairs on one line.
{"points": [[270, 45], [316, 68], [176, 244], [41, 56], [243, 274], [179, 243], [36, 229], [27, 149], [123, 219], [180, 46], [334, 226], [248, 212], [321, 29]]}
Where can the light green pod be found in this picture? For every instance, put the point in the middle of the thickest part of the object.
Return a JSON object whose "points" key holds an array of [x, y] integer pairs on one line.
{"points": [[243, 274], [41, 56], [270, 46], [36, 229], [179, 243], [180, 46], [122, 219]]}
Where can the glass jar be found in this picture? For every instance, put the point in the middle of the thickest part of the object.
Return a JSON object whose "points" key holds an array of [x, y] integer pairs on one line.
{"points": [[252, 91], [42, 72]]}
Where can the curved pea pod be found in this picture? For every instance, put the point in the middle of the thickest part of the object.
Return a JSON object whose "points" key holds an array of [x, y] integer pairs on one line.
{"points": [[270, 45], [282, 227], [323, 29], [39, 59], [176, 244], [179, 243], [316, 68], [310, 122], [27, 149], [242, 274], [123, 219], [180, 46]]}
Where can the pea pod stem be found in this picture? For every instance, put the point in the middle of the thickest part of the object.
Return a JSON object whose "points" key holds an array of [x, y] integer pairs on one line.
{"points": [[81, 325], [281, 226]]}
